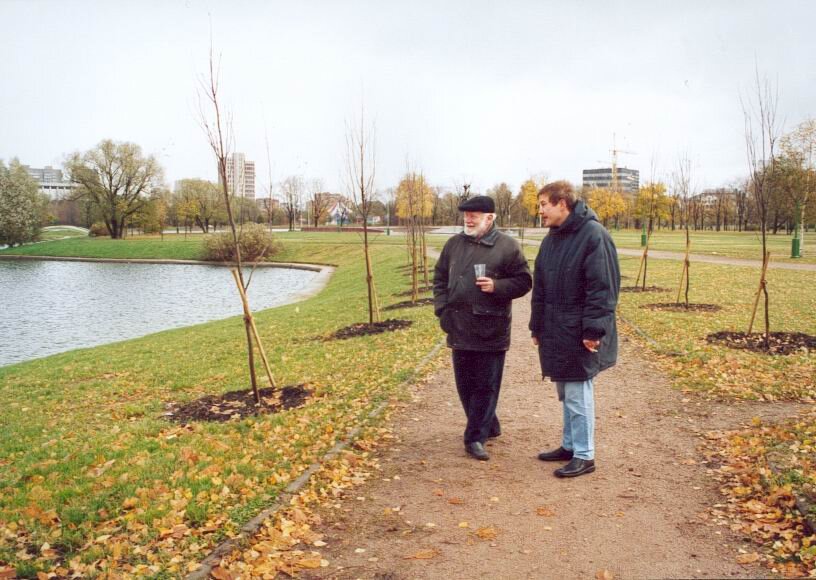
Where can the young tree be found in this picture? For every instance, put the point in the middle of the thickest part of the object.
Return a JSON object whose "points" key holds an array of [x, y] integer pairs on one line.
{"points": [[683, 192], [651, 206], [219, 136], [116, 178], [360, 170], [22, 207], [414, 205], [761, 135]]}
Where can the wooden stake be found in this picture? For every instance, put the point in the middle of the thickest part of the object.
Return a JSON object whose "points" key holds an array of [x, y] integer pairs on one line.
{"points": [[759, 291], [248, 316]]}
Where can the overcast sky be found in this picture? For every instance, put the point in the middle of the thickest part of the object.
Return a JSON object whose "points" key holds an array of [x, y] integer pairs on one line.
{"points": [[472, 91]]}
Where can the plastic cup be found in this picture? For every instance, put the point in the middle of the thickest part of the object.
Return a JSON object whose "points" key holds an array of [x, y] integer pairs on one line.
{"points": [[480, 269]]}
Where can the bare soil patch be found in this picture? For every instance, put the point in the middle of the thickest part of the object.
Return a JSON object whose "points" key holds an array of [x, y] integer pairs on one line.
{"points": [[641, 289], [778, 342], [681, 307], [367, 328], [238, 404], [409, 304]]}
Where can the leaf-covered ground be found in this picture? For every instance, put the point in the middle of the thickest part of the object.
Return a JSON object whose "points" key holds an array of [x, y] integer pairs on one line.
{"points": [[93, 478]]}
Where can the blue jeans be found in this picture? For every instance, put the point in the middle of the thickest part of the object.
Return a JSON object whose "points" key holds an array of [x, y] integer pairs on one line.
{"points": [[579, 418], [478, 382]]}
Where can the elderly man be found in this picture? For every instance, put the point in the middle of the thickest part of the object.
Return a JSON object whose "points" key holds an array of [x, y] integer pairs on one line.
{"points": [[575, 292], [476, 278]]}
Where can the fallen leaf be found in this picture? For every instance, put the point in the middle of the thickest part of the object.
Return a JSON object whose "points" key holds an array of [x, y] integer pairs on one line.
{"points": [[747, 558], [545, 511], [422, 555], [221, 574], [455, 500], [604, 575], [487, 533]]}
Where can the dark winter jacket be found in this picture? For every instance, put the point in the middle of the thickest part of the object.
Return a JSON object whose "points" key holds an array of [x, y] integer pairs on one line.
{"points": [[575, 291], [476, 320]]}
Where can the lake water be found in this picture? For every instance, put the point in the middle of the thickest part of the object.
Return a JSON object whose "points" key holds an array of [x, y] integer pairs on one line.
{"points": [[49, 307]]}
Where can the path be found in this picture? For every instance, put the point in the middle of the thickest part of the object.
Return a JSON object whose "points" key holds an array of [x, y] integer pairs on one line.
{"points": [[640, 515]]}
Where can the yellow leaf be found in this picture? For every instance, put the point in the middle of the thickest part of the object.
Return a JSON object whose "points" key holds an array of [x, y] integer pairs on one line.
{"points": [[310, 562], [422, 555], [545, 511], [747, 558], [486, 533], [604, 575]]}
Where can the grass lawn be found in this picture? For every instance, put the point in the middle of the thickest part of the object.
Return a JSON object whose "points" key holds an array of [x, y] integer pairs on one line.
{"points": [[92, 478], [745, 245], [58, 232]]}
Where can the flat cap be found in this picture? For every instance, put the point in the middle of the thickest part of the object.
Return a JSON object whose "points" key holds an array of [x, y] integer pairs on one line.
{"points": [[482, 203]]}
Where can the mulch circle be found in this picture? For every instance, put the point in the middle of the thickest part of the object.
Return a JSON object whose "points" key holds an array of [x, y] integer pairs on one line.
{"points": [[420, 290], [779, 342], [238, 404], [682, 307], [367, 328], [409, 304], [641, 289]]}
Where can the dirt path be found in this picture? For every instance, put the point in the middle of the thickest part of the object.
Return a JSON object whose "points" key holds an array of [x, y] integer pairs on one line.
{"points": [[642, 514], [722, 260]]}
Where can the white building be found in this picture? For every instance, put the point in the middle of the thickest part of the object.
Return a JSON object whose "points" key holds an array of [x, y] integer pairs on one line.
{"points": [[241, 176], [51, 181]]}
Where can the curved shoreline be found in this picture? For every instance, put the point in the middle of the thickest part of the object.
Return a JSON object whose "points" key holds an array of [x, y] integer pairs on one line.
{"points": [[313, 288]]}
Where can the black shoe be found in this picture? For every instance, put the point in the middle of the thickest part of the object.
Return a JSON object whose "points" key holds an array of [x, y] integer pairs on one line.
{"points": [[576, 467], [559, 454], [477, 450]]}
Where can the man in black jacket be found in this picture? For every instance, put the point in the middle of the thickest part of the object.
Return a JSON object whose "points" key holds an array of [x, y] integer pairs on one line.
{"points": [[575, 292], [474, 311]]}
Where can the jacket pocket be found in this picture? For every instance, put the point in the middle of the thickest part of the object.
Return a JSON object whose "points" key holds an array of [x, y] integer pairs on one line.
{"points": [[445, 321]]}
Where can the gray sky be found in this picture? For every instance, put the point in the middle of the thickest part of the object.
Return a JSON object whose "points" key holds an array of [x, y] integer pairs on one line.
{"points": [[470, 90]]}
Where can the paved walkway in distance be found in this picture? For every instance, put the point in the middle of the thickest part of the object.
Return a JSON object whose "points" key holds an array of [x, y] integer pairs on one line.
{"points": [[433, 512], [724, 260]]}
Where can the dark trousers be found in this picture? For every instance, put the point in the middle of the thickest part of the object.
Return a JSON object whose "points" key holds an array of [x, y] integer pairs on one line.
{"points": [[478, 381]]}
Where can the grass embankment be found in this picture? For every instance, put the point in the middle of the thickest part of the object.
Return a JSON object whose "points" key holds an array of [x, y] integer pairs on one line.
{"points": [[92, 478], [742, 245]]}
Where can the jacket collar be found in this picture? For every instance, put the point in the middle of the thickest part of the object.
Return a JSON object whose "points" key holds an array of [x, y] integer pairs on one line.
{"points": [[489, 239]]}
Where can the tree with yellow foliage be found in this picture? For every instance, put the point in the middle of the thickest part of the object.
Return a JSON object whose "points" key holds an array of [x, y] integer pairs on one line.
{"points": [[607, 204], [415, 201]]}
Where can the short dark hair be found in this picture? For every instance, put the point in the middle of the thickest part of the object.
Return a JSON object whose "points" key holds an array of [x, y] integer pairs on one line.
{"points": [[558, 190]]}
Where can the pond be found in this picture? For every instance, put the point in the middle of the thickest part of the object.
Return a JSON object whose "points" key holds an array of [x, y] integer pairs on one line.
{"points": [[55, 306]]}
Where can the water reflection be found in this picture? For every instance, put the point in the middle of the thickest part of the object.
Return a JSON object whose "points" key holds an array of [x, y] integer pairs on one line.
{"points": [[51, 307]]}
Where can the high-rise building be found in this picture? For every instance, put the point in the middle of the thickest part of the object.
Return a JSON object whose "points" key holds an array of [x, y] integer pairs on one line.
{"points": [[51, 181], [628, 179], [240, 176]]}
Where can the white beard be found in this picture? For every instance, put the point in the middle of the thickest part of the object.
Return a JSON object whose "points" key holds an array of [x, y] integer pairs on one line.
{"points": [[477, 230]]}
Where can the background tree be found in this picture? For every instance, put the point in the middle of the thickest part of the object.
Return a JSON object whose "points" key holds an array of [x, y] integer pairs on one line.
{"points": [[292, 194], [116, 178], [23, 209], [528, 197], [651, 205], [761, 135], [683, 193], [205, 204], [606, 203], [503, 197], [319, 201], [360, 171], [798, 148]]}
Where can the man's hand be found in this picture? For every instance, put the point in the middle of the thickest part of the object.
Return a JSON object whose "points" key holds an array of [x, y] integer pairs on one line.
{"points": [[486, 284], [535, 341], [591, 345]]}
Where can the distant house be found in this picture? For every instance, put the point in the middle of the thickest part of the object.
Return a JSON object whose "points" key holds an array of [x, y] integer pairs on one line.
{"points": [[340, 212]]}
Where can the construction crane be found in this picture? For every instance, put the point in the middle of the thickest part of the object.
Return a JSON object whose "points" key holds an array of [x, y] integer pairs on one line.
{"points": [[615, 151]]}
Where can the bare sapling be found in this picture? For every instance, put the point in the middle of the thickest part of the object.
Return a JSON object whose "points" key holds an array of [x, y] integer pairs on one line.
{"points": [[360, 172], [217, 127]]}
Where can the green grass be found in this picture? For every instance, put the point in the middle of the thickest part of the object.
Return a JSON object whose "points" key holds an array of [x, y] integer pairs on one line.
{"points": [[716, 370], [86, 453], [58, 232], [743, 245]]}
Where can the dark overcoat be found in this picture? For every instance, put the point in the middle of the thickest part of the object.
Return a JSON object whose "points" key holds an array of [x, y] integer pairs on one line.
{"points": [[576, 283], [472, 319]]}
